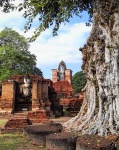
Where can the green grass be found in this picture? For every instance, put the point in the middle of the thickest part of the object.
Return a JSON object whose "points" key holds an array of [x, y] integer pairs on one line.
{"points": [[2, 122], [16, 142]]}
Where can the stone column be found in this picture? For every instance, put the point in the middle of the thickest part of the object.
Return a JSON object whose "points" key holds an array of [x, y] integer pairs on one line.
{"points": [[35, 100], [68, 75], [54, 75], [39, 90], [7, 100], [45, 89]]}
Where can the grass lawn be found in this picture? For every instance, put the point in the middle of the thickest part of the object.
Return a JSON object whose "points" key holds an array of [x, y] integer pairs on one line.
{"points": [[2, 122], [17, 142]]}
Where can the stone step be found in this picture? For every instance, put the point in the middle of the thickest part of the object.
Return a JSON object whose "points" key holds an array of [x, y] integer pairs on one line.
{"points": [[20, 114], [15, 125]]}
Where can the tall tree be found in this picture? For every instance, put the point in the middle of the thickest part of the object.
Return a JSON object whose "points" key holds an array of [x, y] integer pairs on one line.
{"points": [[14, 55], [78, 81], [100, 110]]}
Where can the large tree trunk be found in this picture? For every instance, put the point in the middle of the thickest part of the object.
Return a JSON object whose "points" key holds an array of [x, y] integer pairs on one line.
{"points": [[100, 110]]}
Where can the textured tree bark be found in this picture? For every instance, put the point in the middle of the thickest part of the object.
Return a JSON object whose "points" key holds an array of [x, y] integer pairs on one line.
{"points": [[100, 110]]}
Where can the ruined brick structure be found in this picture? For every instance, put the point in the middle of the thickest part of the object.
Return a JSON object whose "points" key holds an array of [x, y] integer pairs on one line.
{"points": [[62, 84], [62, 73], [34, 93], [13, 99], [63, 88], [62, 79]]}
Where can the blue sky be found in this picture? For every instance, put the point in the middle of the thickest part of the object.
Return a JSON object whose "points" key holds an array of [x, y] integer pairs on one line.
{"points": [[50, 51]]}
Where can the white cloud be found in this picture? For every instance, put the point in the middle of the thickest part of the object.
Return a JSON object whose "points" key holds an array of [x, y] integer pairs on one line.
{"points": [[48, 49], [65, 46]]}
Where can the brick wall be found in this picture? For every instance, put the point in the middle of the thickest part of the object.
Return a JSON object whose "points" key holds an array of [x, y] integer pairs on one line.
{"points": [[8, 97], [63, 87]]}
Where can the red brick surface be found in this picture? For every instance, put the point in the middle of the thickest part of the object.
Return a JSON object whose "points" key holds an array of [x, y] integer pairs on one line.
{"points": [[7, 98], [63, 87], [66, 101], [68, 75], [17, 123], [38, 116]]}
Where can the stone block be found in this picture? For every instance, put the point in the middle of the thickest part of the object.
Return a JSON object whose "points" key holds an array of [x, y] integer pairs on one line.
{"points": [[94, 142], [61, 141], [37, 133]]}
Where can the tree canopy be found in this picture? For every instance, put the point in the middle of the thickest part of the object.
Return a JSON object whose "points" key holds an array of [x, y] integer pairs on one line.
{"points": [[49, 13], [78, 81], [15, 58]]}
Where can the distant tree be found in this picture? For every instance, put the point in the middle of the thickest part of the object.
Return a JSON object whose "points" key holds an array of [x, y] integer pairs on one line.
{"points": [[14, 55], [37, 71], [78, 81]]}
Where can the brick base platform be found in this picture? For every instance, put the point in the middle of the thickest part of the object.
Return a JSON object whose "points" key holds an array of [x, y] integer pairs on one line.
{"points": [[17, 121], [15, 125], [38, 116]]}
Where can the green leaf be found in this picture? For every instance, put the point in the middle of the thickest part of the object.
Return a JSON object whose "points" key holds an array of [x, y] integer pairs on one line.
{"points": [[15, 58]]}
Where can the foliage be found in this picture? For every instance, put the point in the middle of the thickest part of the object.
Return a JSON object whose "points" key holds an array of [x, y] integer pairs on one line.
{"points": [[50, 13], [14, 55], [6, 5], [78, 81], [37, 71]]}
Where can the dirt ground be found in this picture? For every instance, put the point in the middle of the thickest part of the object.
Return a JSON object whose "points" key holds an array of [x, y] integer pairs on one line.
{"points": [[61, 119]]}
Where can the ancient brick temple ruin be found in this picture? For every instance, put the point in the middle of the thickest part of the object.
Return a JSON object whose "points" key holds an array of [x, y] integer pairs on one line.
{"points": [[23, 93], [62, 84], [32, 93], [62, 73], [62, 79]]}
